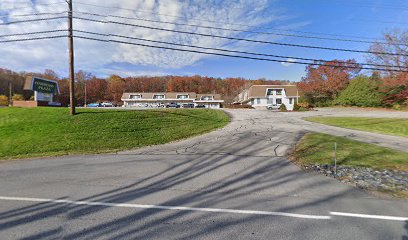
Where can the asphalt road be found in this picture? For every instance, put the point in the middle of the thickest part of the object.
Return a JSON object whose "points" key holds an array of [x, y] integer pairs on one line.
{"points": [[234, 183]]}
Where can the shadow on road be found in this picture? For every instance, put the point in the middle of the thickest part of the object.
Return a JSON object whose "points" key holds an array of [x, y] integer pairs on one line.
{"points": [[248, 181]]}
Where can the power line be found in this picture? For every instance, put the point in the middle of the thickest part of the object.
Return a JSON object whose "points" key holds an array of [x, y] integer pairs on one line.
{"points": [[236, 30], [242, 39], [229, 23], [316, 63], [226, 50], [33, 33], [238, 56], [32, 20], [192, 46], [33, 39], [210, 27], [33, 14]]}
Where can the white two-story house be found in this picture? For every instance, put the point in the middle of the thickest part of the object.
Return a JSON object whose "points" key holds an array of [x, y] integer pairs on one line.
{"points": [[264, 95]]}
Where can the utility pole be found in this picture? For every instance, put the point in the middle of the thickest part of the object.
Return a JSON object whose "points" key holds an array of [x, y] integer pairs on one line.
{"points": [[10, 94], [85, 95], [71, 60]]}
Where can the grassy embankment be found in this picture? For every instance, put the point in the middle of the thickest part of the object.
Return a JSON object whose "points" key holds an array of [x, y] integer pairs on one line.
{"points": [[318, 148], [390, 126], [40, 132]]}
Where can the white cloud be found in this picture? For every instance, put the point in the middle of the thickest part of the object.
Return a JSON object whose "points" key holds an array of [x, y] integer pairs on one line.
{"points": [[92, 56], [288, 63]]}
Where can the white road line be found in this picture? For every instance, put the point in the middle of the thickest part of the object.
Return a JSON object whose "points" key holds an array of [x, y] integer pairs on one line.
{"points": [[215, 210], [356, 215], [179, 208]]}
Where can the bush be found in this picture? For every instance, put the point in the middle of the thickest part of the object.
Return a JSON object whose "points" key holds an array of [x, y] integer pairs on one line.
{"points": [[18, 97], [237, 106], [396, 106], [296, 107], [283, 108], [3, 100], [361, 92]]}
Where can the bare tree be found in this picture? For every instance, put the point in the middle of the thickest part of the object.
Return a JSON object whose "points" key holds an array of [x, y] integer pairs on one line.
{"points": [[395, 42]]}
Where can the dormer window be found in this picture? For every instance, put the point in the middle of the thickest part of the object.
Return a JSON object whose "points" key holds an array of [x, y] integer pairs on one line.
{"points": [[182, 96], [272, 91], [138, 96], [207, 98], [158, 96]]}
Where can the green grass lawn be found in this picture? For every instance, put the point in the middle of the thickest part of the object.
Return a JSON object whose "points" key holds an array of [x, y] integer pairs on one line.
{"points": [[34, 132], [391, 126], [318, 148]]}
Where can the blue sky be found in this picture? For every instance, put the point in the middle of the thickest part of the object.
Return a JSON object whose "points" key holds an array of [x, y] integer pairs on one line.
{"points": [[362, 18]]}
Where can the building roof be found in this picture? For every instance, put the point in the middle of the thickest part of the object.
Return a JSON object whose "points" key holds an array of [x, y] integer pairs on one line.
{"points": [[216, 96], [260, 90]]}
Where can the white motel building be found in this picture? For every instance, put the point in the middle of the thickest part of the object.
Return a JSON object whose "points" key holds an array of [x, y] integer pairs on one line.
{"points": [[151, 99]]}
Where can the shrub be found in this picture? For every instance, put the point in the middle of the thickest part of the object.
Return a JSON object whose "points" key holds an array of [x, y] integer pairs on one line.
{"points": [[283, 108], [362, 92], [237, 106], [395, 89], [3, 100], [296, 107], [18, 97], [396, 106]]}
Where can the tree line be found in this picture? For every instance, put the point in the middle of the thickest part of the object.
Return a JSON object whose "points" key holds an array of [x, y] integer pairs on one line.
{"points": [[96, 89]]}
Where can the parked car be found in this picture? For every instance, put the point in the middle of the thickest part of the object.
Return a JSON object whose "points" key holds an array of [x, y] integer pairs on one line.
{"points": [[94, 105], [188, 105], [200, 106], [107, 104], [272, 107], [172, 105]]}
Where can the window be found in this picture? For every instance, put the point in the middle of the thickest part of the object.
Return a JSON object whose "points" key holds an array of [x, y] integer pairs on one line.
{"points": [[158, 96], [271, 91], [290, 100], [258, 101], [135, 96], [207, 98], [182, 96], [279, 101]]}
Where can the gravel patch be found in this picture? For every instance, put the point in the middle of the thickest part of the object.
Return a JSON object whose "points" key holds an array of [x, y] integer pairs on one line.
{"points": [[365, 178]]}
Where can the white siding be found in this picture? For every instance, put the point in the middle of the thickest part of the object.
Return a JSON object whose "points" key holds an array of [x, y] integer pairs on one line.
{"points": [[263, 102]]}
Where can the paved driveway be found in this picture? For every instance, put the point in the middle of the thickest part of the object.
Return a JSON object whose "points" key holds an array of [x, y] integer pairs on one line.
{"points": [[234, 183]]}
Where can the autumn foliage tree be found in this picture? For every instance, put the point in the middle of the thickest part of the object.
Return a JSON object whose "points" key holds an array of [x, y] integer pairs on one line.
{"points": [[394, 85], [323, 83], [116, 87], [395, 90]]}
